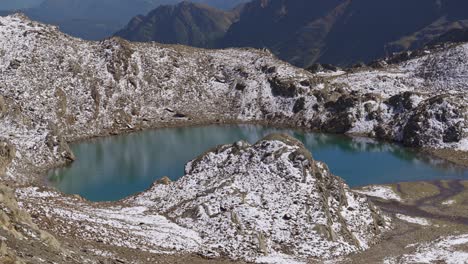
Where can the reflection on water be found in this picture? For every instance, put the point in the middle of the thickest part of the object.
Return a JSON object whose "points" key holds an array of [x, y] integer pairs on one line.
{"points": [[112, 168]]}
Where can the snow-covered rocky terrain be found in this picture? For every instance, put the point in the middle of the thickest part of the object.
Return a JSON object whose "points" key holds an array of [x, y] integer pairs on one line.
{"points": [[444, 250], [55, 89], [263, 202]]}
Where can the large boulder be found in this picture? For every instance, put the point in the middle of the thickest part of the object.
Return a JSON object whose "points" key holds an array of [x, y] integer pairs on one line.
{"points": [[7, 154], [440, 119], [3, 106]]}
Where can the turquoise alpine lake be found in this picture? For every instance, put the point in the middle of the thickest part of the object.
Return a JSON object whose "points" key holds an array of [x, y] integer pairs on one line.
{"points": [[112, 168]]}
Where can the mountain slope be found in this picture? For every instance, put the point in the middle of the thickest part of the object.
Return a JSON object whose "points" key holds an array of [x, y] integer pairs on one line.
{"points": [[96, 19], [345, 32], [339, 32], [454, 35], [265, 23], [368, 28], [186, 23]]}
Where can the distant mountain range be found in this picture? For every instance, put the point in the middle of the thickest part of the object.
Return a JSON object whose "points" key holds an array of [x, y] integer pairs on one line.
{"points": [[90, 19], [94, 19], [18, 4], [186, 23], [304, 32]]}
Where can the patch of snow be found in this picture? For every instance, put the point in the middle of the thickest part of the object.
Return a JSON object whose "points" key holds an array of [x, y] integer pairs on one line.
{"points": [[444, 250], [278, 259], [463, 145], [449, 202], [383, 192], [414, 220], [330, 73]]}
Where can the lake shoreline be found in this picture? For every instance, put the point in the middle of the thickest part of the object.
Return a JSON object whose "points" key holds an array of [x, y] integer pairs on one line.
{"points": [[141, 158]]}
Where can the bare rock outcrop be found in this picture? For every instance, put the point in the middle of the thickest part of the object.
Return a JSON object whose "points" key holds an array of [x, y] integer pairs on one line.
{"points": [[7, 154], [270, 199], [17, 225]]}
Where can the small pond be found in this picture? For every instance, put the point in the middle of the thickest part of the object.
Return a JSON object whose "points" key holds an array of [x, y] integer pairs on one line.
{"points": [[112, 168]]}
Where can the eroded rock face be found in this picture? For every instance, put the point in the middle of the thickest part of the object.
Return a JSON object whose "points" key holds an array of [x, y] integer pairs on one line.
{"points": [[271, 198], [3, 106], [7, 154], [17, 225], [442, 118]]}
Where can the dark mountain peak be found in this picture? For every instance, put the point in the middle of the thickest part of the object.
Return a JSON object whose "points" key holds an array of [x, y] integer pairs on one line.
{"points": [[188, 4], [184, 6], [186, 23]]}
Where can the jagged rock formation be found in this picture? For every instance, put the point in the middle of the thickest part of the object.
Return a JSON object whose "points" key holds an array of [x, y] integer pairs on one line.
{"points": [[7, 154], [270, 198]]}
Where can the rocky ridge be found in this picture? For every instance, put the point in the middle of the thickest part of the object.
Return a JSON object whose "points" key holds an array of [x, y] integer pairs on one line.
{"points": [[270, 198]]}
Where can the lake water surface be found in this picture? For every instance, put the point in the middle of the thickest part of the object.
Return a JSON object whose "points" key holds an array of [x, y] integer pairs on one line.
{"points": [[109, 169]]}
